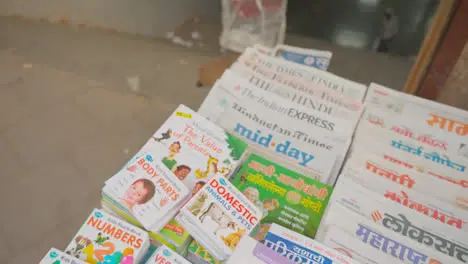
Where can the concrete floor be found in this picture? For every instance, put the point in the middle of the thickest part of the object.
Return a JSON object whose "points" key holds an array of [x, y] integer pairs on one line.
{"points": [[68, 120]]}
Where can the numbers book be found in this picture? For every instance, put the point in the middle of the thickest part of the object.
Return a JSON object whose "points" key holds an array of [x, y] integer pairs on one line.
{"points": [[285, 197], [164, 255], [218, 216], [253, 252], [106, 238], [55, 256]]}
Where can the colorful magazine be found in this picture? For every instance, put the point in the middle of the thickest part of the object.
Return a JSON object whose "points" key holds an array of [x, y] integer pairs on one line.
{"points": [[287, 198], [218, 216], [253, 252], [301, 249], [319, 59], [106, 238], [55, 256], [341, 85], [164, 255]]}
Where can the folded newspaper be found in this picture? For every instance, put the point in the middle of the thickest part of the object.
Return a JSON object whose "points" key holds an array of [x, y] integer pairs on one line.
{"points": [[301, 249], [106, 238], [319, 59], [253, 252], [55, 256], [218, 216], [164, 255], [314, 143], [286, 198], [333, 82]]}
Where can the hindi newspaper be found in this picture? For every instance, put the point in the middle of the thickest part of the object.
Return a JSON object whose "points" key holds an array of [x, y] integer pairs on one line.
{"points": [[312, 101], [104, 237], [285, 197], [350, 89], [218, 216], [253, 114], [319, 59], [55, 256], [402, 220], [400, 248], [301, 249], [253, 252], [164, 255], [433, 117]]}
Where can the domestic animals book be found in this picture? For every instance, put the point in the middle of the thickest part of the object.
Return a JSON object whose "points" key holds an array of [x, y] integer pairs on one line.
{"points": [[218, 216], [251, 251], [285, 197], [55, 256], [302, 98], [165, 255], [295, 140], [341, 85], [301, 249], [148, 190], [319, 59], [106, 238]]}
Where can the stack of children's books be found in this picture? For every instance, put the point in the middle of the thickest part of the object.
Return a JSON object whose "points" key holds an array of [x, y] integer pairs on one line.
{"points": [[403, 189]]}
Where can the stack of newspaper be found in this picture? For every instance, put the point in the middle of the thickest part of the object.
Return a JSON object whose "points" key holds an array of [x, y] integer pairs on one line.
{"points": [[218, 216], [403, 189]]}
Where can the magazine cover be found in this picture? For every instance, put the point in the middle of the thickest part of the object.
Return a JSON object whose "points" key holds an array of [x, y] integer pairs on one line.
{"points": [[319, 59], [287, 198], [298, 97], [164, 255], [106, 238], [341, 85], [253, 252], [197, 254], [218, 216], [301, 249], [402, 248], [261, 127], [369, 167], [403, 221], [339, 240], [55, 256], [433, 117], [149, 191]]}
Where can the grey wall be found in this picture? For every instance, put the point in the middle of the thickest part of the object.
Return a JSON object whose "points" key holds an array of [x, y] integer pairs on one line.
{"points": [[147, 17]]}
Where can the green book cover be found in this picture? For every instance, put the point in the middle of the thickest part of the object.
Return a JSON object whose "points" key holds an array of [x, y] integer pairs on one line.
{"points": [[199, 255], [286, 198]]}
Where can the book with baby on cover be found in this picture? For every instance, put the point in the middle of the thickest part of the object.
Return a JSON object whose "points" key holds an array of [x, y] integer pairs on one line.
{"points": [[284, 197]]}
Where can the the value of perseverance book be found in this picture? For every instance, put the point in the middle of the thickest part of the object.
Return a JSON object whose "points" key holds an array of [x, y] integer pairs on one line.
{"points": [[218, 216], [251, 251], [301, 249], [165, 255], [55, 256], [285, 197], [106, 238], [319, 59]]}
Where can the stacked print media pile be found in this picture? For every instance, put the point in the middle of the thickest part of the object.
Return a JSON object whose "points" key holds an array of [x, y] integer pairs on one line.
{"points": [[285, 162]]}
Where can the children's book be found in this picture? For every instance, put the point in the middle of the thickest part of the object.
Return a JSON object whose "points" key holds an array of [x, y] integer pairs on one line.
{"points": [[285, 197], [148, 190], [106, 238], [260, 122], [319, 59], [433, 117], [401, 248], [301, 249], [197, 254], [333, 82], [253, 252], [218, 216], [313, 102], [55, 256], [164, 255]]}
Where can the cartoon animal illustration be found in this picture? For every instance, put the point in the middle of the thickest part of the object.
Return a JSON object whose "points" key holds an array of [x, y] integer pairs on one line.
{"points": [[100, 239], [198, 204], [212, 169], [164, 136], [233, 239], [81, 243], [215, 212]]}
